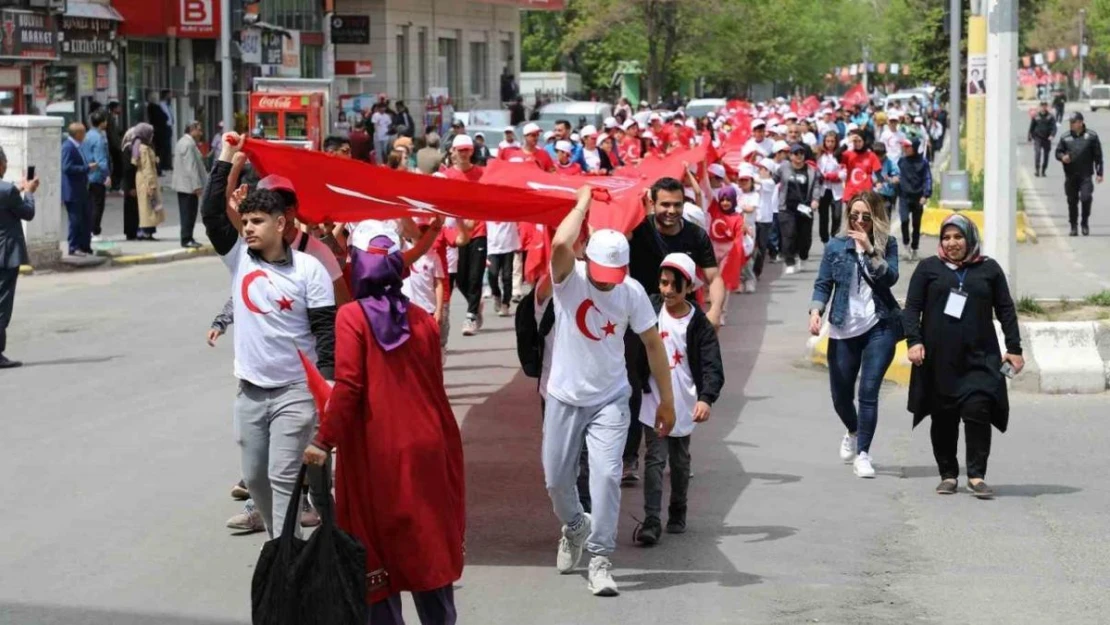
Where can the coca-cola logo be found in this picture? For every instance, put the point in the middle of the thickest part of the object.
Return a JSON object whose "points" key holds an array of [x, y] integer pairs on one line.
{"points": [[276, 102]]}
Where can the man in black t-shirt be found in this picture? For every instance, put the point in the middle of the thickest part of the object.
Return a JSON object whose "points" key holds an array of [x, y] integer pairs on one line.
{"points": [[663, 232]]}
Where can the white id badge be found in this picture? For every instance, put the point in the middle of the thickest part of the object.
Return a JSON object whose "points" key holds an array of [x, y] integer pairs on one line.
{"points": [[955, 306]]}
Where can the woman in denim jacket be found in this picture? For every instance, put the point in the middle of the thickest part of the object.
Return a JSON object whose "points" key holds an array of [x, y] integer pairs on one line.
{"points": [[858, 269]]}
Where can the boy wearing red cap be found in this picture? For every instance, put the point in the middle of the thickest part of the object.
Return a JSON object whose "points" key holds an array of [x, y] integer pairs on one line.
{"points": [[697, 376]]}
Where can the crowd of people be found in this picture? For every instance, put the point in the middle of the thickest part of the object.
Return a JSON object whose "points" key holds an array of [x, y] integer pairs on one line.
{"points": [[620, 328]]}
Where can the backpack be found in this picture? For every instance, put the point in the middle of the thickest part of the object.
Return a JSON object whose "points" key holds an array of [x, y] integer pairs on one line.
{"points": [[530, 336]]}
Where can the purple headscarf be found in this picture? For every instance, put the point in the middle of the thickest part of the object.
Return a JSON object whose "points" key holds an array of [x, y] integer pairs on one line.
{"points": [[727, 192], [376, 284]]}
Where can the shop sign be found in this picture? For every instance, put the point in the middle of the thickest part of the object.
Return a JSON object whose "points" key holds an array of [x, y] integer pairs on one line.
{"points": [[88, 36], [271, 47], [291, 55], [250, 45], [354, 29], [197, 18], [354, 68], [26, 35], [101, 76]]}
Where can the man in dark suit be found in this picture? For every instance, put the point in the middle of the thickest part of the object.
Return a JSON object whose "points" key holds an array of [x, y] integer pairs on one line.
{"points": [[14, 210], [75, 191], [404, 118]]}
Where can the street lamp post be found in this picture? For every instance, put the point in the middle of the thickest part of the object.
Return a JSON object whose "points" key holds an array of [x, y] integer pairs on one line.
{"points": [[954, 183], [1000, 180], [227, 107]]}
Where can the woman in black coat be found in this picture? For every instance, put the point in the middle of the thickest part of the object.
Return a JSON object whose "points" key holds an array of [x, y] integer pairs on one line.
{"points": [[952, 301]]}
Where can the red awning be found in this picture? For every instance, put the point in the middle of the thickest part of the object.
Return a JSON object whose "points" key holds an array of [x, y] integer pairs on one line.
{"points": [[143, 18]]}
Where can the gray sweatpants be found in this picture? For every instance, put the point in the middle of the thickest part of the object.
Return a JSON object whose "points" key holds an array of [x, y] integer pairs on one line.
{"points": [[273, 426], [604, 429]]}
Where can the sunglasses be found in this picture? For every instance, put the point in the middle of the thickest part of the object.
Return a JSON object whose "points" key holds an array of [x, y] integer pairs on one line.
{"points": [[864, 217]]}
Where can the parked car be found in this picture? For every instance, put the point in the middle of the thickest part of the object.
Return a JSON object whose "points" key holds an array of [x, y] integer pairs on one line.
{"points": [[700, 107], [577, 113], [1100, 97]]}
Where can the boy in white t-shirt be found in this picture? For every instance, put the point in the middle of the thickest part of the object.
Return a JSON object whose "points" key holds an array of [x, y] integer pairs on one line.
{"points": [[588, 390], [696, 379], [426, 285]]}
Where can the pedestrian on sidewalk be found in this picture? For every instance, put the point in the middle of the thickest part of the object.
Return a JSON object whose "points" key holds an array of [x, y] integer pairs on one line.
{"points": [[400, 487], [697, 376], [833, 175], [504, 242], [17, 204], [1042, 130], [189, 178], [858, 270], [801, 195], [95, 150], [887, 179], [284, 304], [75, 190], [915, 187], [958, 371], [1080, 150], [115, 137], [138, 144], [589, 388]]}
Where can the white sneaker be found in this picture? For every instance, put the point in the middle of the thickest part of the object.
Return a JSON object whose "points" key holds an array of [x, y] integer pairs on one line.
{"points": [[791, 270], [801, 265], [848, 448], [601, 580], [749, 286], [862, 467], [570, 545]]}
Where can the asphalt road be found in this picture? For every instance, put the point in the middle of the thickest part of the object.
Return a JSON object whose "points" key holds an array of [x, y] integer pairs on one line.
{"points": [[119, 456]]}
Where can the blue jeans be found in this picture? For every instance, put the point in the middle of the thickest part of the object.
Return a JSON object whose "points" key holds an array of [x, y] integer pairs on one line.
{"points": [[776, 236], [80, 230], [867, 357]]}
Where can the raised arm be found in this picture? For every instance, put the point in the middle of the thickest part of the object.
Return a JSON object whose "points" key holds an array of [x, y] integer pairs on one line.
{"points": [[424, 243], [562, 245], [213, 209]]}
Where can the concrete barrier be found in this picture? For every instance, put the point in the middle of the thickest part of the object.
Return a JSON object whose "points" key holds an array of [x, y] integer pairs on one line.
{"points": [[933, 217], [1060, 357]]}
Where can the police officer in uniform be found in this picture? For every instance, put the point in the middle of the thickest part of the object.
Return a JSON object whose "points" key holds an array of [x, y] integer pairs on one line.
{"points": [[1081, 153], [1042, 130]]}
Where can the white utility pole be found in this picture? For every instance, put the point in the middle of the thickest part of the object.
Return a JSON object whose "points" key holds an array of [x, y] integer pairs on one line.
{"points": [[1000, 180], [227, 104]]}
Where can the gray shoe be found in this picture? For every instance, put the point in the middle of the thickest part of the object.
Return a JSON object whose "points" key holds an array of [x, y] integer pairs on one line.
{"points": [[570, 545], [249, 520]]}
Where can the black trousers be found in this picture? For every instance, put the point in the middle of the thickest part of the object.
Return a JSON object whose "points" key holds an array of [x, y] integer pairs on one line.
{"points": [[828, 216], [1042, 147], [96, 202], [472, 265], [911, 213], [130, 215], [788, 222], [762, 244], [187, 205], [8, 277], [1079, 190], [116, 155], [803, 235], [975, 411], [674, 450], [501, 277], [433, 607], [634, 358]]}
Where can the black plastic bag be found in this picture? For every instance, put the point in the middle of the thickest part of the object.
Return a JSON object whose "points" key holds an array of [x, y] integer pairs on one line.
{"points": [[321, 581]]}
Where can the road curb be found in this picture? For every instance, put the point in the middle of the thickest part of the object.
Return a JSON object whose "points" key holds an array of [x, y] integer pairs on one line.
{"points": [[168, 256], [1061, 357]]}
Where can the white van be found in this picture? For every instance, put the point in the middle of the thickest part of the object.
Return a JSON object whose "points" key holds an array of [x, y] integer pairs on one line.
{"points": [[1100, 97]]}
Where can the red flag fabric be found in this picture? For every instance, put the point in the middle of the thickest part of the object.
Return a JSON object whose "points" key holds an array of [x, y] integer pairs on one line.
{"points": [[855, 95], [342, 190], [317, 385], [810, 105]]}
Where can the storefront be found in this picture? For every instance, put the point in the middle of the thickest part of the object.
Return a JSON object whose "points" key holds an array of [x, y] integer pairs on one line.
{"points": [[28, 42], [90, 50]]}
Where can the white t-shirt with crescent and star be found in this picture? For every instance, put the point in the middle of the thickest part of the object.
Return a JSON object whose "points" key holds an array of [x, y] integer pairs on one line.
{"points": [[271, 314], [587, 361], [673, 332]]}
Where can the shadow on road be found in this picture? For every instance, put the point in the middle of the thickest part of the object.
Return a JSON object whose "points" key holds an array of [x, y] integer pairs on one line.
{"points": [[17, 613], [86, 360], [509, 516]]}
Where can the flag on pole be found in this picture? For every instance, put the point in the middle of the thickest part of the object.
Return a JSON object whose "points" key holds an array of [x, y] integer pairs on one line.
{"points": [[905, 70], [1038, 58], [1026, 61], [894, 69], [882, 68], [1062, 53], [1075, 50], [1051, 56]]}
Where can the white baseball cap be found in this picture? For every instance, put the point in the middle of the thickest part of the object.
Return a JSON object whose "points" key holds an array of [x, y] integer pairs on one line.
{"points": [[370, 229], [655, 117], [694, 214], [779, 130], [683, 264], [918, 119], [588, 131], [746, 171], [758, 123], [564, 146], [628, 123], [462, 142], [790, 115], [547, 136], [480, 134], [610, 123], [576, 138], [780, 146], [529, 129], [711, 115], [768, 163], [607, 256], [509, 129], [717, 169], [750, 149], [893, 115]]}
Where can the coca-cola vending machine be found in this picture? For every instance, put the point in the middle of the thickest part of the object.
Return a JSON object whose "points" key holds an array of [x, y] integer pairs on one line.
{"points": [[288, 117]]}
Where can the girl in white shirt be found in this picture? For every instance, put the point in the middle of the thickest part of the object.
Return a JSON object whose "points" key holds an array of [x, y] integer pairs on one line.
{"points": [[833, 175]]}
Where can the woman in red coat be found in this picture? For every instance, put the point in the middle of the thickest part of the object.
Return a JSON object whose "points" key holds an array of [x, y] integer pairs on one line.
{"points": [[399, 489]]}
